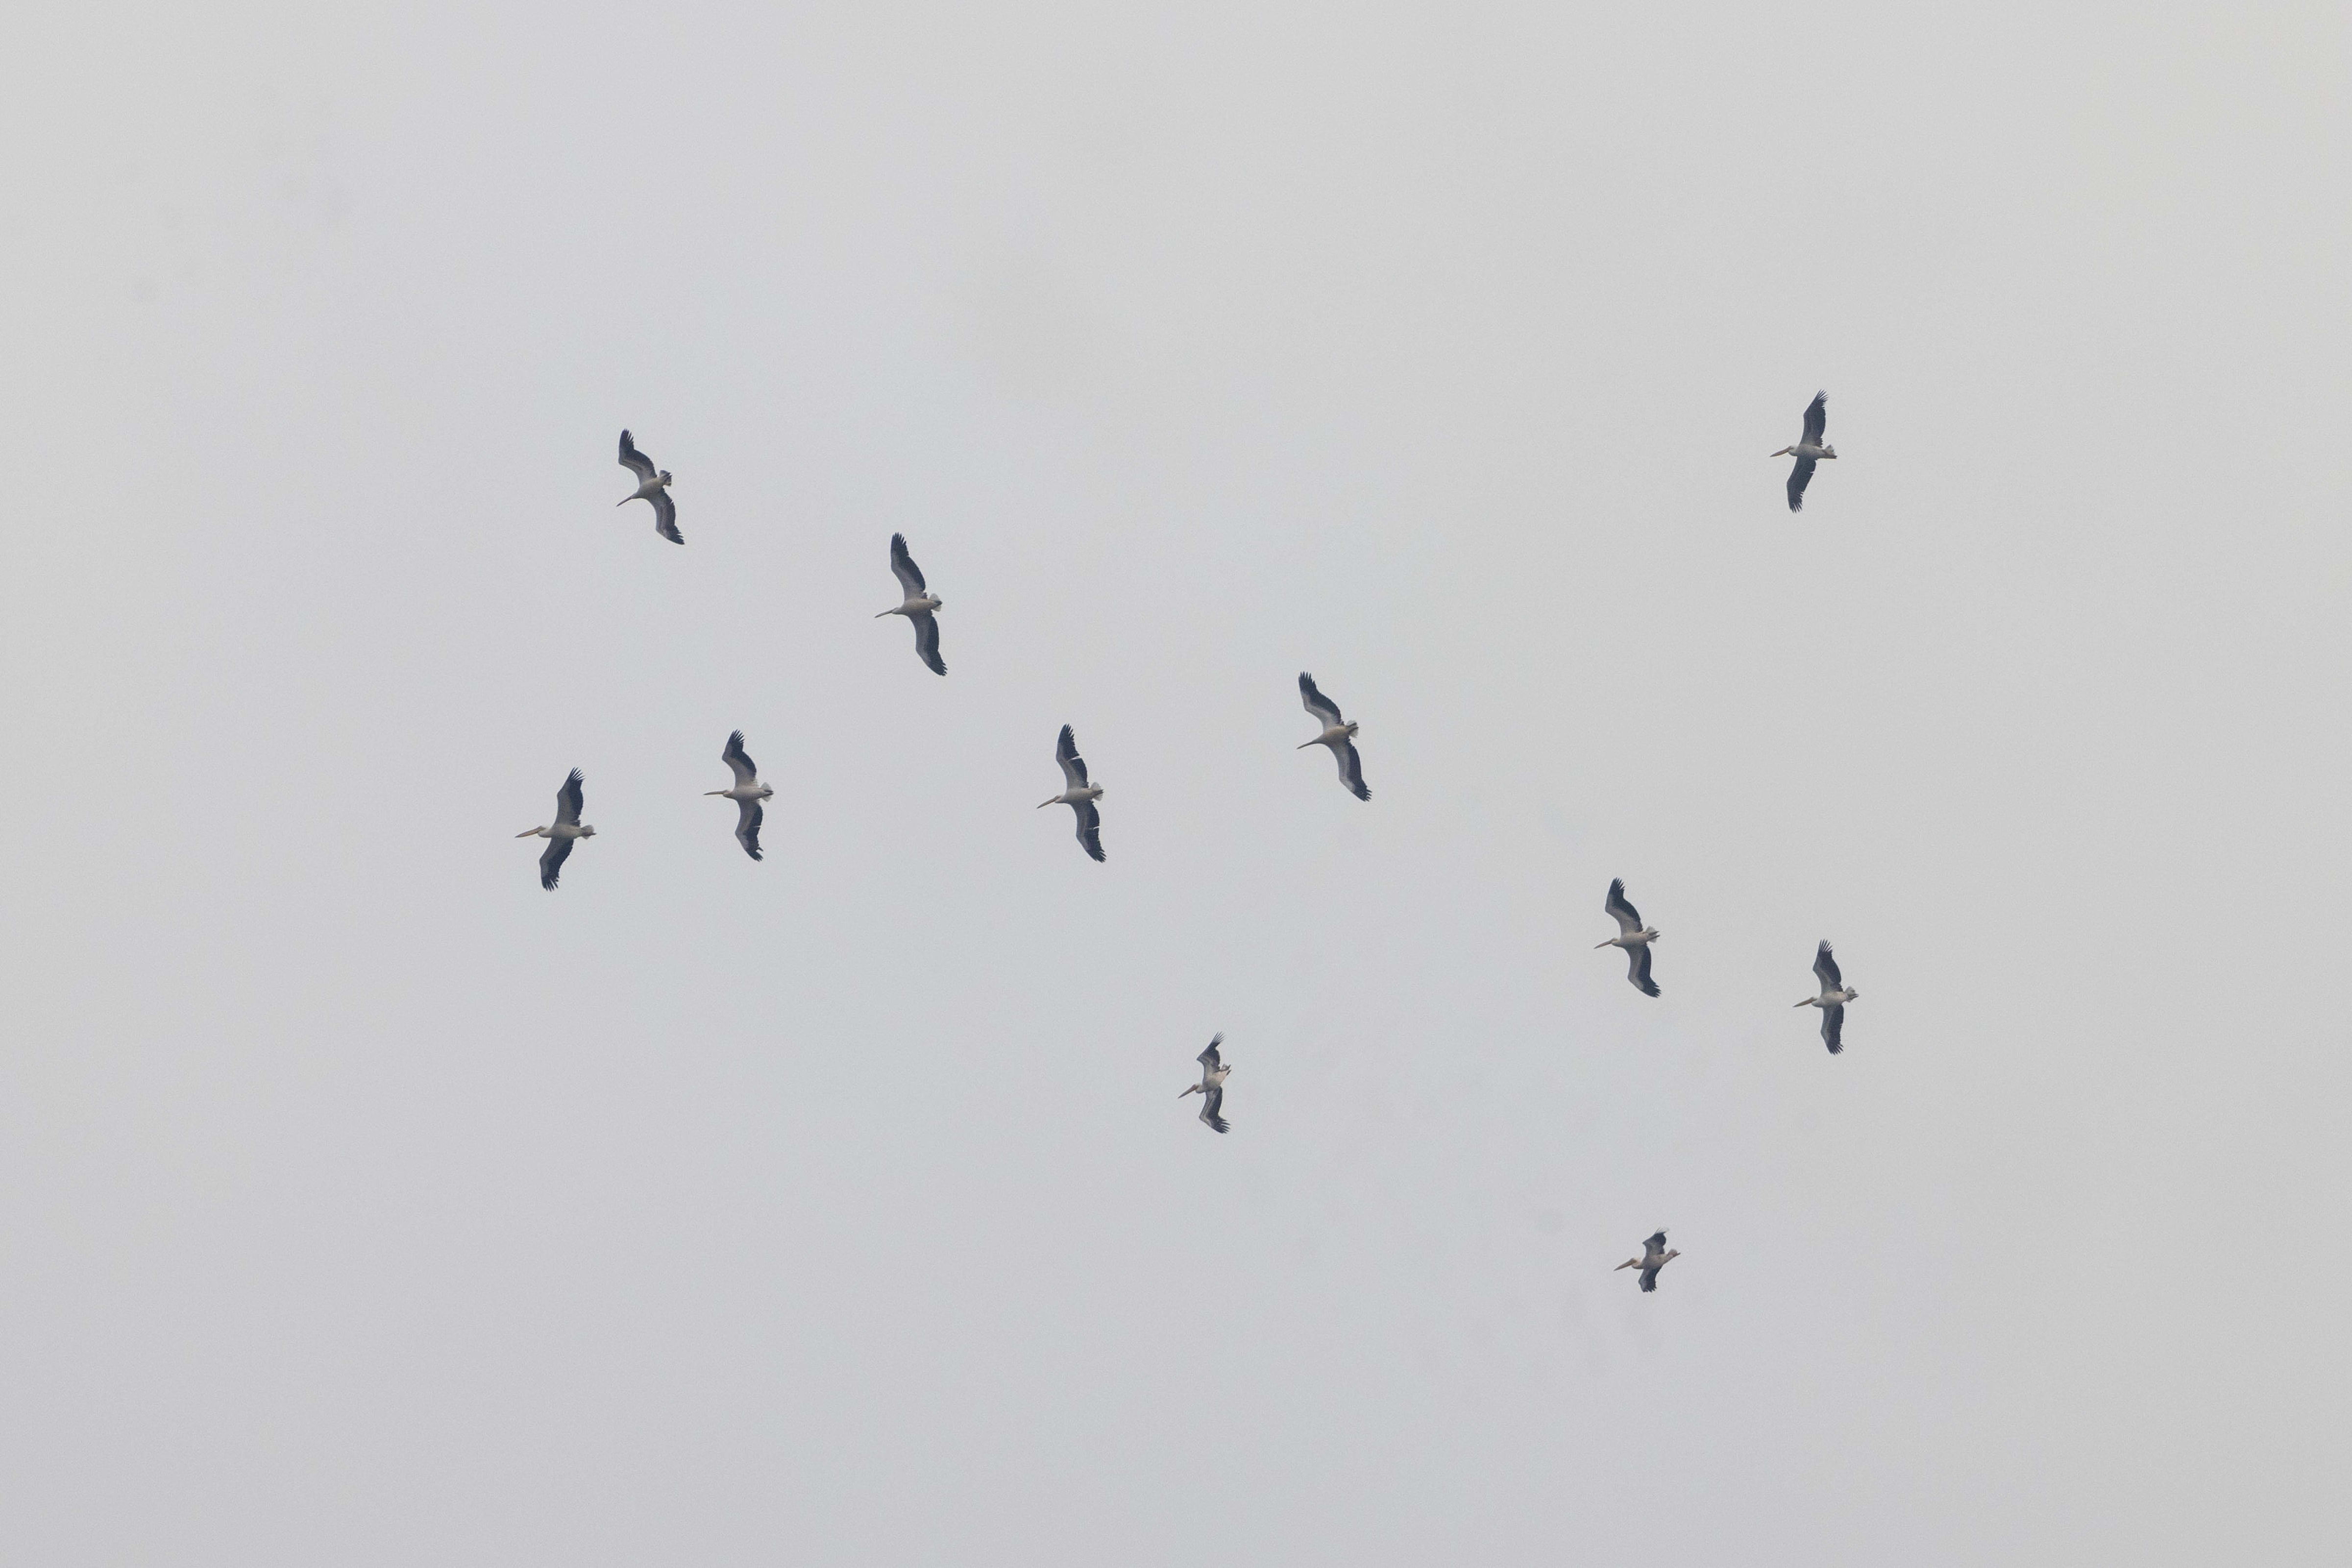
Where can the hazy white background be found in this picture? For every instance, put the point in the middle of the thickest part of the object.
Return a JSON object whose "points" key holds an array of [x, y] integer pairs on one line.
{"points": [[363, 1204]]}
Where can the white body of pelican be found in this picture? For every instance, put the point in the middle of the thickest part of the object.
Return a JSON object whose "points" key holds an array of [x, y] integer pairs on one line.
{"points": [[1632, 936], [1835, 994], [918, 606], [1211, 1087], [1080, 796], [746, 794], [1808, 451], [1337, 733], [1656, 1255], [566, 828], [651, 486]]}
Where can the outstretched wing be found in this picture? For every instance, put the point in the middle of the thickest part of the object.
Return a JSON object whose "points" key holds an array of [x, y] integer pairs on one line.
{"points": [[1655, 1244], [1621, 910], [1351, 770], [1209, 1058], [1319, 705], [926, 640], [1833, 1028], [568, 801], [552, 861], [1638, 969], [1089, 827], [738, 762], [902, 565], [1817, 418], [1074, 767], [1825, 969], [1650, 1278], [665, 516], [1799, 477], [635, 461], [747, 827], [1212, 1105]]}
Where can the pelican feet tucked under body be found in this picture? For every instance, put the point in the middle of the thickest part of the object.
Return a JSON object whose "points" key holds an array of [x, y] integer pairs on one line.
{"points": [[559, 836], [1211, 1087], [1656, 1255], [919, 605], [1337, 733], [1835, 994], [651, 486], [1808, 451], [1080, 796], [746, 794], [1632, 936]]}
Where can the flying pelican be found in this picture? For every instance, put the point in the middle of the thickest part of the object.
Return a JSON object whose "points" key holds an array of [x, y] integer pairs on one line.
{"points": [[1807, 451], [559, 837], [1081, 796], [1211, 1087], [1632, 936], [1337, 733], [1835, 994], [918, 606], [746, 794], [1656, 1255], [651, 486]]}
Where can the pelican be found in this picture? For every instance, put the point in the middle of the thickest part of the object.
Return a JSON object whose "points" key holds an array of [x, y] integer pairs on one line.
{"points": [[919, 605], [1081, 796], [651, 486], [1656, 1255], [1807, 451], [1835, 994], [559, 837], [746, 794], [1211, 1087], [1337, 733], [1632, 936]]}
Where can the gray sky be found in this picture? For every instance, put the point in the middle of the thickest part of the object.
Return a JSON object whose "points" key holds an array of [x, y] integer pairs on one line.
{"points": [[362, 1204]]}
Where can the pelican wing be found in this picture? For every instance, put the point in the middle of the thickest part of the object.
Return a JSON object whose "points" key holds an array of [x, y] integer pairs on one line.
{"points": [[926, 640], [635, 461], [1637, 969], [738, 762], [1089, 827], [902, 565], [665, 516], [552, 861], [1655, 1246], [1074, 767], [747, 826], [1213, 1105], [1321, 707], [1351, 770], [1629, 920], [1826, 970], [1834, 1027], [568, 801], [1650, 1277], [1799, 477], [1817, 418], [1209, 1059]]}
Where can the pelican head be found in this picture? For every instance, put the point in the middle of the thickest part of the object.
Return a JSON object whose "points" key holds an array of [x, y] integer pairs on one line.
{"points": [[532, 833], [1784, 452]]}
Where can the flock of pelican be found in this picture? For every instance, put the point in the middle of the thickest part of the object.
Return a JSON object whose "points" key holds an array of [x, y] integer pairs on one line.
{"points": [[920, 606]]}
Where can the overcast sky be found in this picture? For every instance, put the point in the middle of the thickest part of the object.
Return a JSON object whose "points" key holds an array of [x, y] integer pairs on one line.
{"points": [[362, 1204]]}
